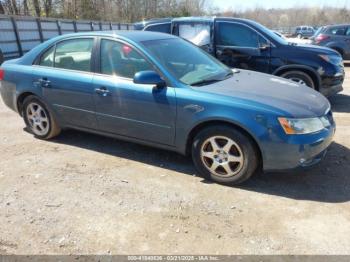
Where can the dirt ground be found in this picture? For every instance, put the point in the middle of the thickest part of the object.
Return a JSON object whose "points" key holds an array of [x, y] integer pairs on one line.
{"points": [[86, 194]]}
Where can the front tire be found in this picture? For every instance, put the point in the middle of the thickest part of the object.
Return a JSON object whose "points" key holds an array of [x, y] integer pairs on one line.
{"points": [[300, 78], [224, 154], [39, 119]]}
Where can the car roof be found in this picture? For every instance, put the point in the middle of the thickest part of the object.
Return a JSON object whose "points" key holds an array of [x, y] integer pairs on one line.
{"points": [[338, 25], [307, 26], [194, 18], [211, 19], [191, 19], [133, 35], [129, 36]]}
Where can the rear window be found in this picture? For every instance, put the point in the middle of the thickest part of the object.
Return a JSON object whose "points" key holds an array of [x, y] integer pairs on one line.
{"points": [[161, 28]]}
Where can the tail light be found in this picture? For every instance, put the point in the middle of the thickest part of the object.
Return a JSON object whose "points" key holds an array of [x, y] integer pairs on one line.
{"points": [[320, 38], [2, 74]]}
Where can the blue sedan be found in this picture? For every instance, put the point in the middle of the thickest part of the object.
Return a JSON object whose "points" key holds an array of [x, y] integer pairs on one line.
{"points": [[162, 91]]}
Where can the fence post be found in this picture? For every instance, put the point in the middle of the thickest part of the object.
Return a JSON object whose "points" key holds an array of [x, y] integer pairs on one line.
{"points": [[110, 26], [18, 40], [100, 23], [119, 26], [38, 22], [92, 26], [58, 27], [75, 26], [127, 26]]}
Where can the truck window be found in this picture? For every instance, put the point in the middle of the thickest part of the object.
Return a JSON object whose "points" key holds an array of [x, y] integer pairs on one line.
{"points": [[338, 31], [162, 28], [199, 34], [348, 31], [233, 34]]}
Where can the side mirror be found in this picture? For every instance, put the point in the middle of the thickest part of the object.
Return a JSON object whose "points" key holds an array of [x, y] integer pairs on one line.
{"points": [[149, 78], [265, 46]]}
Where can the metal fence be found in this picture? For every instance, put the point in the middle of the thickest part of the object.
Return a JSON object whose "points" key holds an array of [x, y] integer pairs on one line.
{"points": [[18, 35]]}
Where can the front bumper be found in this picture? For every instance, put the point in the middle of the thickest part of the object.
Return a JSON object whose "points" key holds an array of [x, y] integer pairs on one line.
{"points": [[331, 90], [332, 83], [300, 151]]}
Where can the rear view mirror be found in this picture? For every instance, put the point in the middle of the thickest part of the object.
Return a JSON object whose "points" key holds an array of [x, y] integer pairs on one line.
{"points": [[149, 78]]}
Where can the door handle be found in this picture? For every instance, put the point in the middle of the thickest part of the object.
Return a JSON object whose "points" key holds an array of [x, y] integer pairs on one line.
{"points": [[103, 91], [44, 82]]}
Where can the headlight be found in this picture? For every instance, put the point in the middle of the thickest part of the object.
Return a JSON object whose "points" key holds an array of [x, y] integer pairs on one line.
{"points": [[292, 126]]}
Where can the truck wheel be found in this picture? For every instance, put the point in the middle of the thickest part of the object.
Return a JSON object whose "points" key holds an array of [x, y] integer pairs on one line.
{"points": [[39, 119], [224, 154], [300, 78]]}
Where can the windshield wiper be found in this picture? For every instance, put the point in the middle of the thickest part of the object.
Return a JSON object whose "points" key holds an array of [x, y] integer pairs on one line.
{"points": [[205, 82]]}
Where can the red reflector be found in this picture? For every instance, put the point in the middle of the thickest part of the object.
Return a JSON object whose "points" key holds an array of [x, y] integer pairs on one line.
{"points": [[2, 74]]}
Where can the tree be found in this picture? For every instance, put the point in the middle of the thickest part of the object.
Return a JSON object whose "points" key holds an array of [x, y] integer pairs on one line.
{"points": [[37, 8]]}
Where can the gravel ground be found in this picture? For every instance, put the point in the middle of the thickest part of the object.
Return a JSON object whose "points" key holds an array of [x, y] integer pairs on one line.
{"points": [[86, 194]]}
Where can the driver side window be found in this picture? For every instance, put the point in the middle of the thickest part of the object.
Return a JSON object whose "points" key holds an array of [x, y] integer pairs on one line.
{"points": [[232, 34], [122, 60]]}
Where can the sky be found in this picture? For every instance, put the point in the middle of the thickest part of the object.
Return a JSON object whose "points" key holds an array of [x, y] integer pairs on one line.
{"points": [[242, 5]]}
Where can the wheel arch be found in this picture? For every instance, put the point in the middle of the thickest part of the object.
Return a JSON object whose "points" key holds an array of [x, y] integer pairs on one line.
{"points": [[20, 99], [208, 123], [305, 69], [339, 49]]}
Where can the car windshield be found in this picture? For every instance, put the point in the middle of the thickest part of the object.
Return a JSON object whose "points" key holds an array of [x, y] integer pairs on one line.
{"points": [[270, 33], [186, 62]]}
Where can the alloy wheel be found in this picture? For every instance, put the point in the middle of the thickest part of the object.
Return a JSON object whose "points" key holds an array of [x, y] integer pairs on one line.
{"points": [[38, 119], [222, 156]]}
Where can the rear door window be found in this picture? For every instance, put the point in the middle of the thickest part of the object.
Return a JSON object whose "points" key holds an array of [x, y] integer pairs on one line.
{"points": [[233, 34], [197, 33], [74, 54], [47, 58], [162, 28]]}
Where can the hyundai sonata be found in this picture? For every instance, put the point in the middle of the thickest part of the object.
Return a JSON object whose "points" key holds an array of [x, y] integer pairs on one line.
{"points": [[162, 91]]}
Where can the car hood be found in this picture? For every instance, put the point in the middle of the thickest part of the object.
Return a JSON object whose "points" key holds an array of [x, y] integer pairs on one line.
{"points": [[271, 93], [315, 49]]}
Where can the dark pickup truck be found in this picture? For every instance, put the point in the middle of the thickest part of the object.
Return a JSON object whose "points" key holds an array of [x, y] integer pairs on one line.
{"points": [[242, 43]]}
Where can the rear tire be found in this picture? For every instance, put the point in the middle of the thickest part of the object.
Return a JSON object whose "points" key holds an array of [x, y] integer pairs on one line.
{"points": [[299, 77], [38, 118], [224, 155]]}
